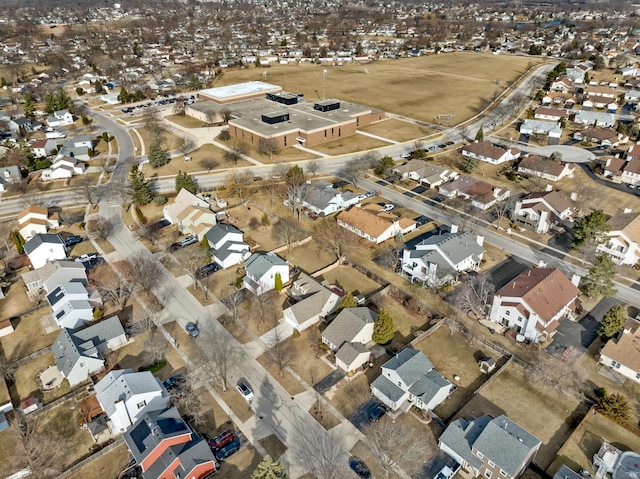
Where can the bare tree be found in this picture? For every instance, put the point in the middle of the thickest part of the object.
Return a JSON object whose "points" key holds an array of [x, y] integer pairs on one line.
{"points": [[186, 145], [192, 259], [148, 231], [237, 149], [335, 237], [6, 228], [474, 295], [120, 190], [268, 146], [272, 191], [144, 272], [209, 163], [89, 192], [112, 286], [321, 451], [313, 166], [282, 352], [223, 354], [155, 347], [153, 123], [100, 227], [399, 446], [501, 209], [36, 447], [262, 307], [233, 299], [354, 169], [226, 115], [288, 232]]}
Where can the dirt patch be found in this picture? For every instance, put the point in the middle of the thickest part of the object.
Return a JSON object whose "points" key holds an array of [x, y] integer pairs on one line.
{"points": [[323, 416], [185, 121], [350, 144], [348, 396]]}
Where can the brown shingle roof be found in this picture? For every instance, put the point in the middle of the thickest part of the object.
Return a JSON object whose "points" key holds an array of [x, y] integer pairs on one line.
{"points": [[632, 166], [559, 112], [628, 223], [486, 149], [616, 166], [368, 219], [542, 165], [38, 210], [625, 350], [559, 200], [545, 290]]}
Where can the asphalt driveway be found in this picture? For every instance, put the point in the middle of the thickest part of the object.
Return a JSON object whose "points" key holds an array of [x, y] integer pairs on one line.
{"points": [[504, 272]]}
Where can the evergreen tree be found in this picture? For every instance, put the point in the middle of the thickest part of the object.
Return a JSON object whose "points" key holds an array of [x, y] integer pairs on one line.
{"points": [[612, 322], [18, 240], [186, 181], [59, 100], [347, 302], [141, 191], [383, 329], [205, 244], [590, 229], [599, 280], [123, 96], [480, 135], [269, 469], [616, 407], [28, 156], [157, 156], [29, 106], [277, 282]]}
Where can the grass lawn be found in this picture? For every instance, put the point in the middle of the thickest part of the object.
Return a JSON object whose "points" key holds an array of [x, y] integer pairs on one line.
{"points": [[404, 321], [323, 416], [438, 83], [273, 446], [350, 144], [25, 384], [350, 279], [240, 465], [549, 415], [348, 396], [16, 301], [263, 238], [306, 364], [136, 141], [185, 121], [452, 356], [222, 283], [285, 379], [310, 256], [397, 130], [580, 447], [214, 419], [108, 466], [170, 143], [207, 157], [28, 336], [286, 154]]}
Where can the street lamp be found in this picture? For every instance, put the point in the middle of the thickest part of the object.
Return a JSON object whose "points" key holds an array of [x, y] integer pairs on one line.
{"points": [[324, 78]]}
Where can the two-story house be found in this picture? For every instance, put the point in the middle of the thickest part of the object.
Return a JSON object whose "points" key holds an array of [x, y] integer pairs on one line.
{"points": [[373, 224], [64, 167], [70, 305], [36, 220], [313, 301], [489, 153], [534, 301], [622, 353], [623, 239], [53, 274], [347, 336], [408, 379], [125, 396], [60, 118], [42, 248], [262, 271], [191, 213], [440, 258], [542, 211], [43, 148], [227, 245], [490, 448]]}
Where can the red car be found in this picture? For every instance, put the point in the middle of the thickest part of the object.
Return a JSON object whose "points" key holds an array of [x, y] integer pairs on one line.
{"points": [[222, 439]]}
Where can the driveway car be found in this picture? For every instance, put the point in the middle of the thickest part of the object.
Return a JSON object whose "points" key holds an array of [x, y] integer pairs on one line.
{"points": [[421, 220], [448, 471], [376, 412], [359, 467], [407, 155], [73, 240], [192, 329], [245, 390], [388, 207], [222, 439], [227, 450], [86, 257], [186, 241], [173, 382], [207, 269]]}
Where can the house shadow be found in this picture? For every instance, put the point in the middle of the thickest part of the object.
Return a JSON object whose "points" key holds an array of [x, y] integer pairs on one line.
{"points": [[563, 432]]}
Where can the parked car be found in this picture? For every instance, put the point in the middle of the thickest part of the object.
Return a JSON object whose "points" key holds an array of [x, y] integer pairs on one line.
{"points": [[359, 467], [388, 207], [406, 155], [174, 382], [187, 240], [448, 471], [73, 240], [207, 269], [376, 412], [245, 390], [421, 220], [227, 450], [192, 329], [370, 194], [86, 257], [222, 439]]}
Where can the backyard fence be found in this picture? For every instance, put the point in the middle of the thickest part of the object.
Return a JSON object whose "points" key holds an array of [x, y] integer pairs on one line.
{"points": [[92, 457]]}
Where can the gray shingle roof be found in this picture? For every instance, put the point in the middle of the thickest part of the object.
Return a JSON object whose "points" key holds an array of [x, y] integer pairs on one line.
{"points": [[40, 239], [258, 264], [121, 384], [460, 435], [319, 195], [409, 364], [386, 387], [565, 472], [348, 324], [44, 273], [219, 231], [428, 386], [311, 297], [348, 352], [455, 246]]}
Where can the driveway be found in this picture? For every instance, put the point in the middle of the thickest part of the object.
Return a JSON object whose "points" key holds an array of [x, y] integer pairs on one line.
{"points": [[329, 381], [360, 418], [504, 272]]}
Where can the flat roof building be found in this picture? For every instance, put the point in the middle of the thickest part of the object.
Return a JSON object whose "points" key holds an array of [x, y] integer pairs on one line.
{"points": [[238, 92]]}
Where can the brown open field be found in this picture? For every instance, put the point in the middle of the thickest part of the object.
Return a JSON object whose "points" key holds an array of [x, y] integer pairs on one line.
{"points": [[438, 83], [16, 300], [310, 256], [28, 336], [350, 144], [397, 130], [580, 447], [200, 159], [185, 121], [547, 414], [107, 466], [350, 279]]}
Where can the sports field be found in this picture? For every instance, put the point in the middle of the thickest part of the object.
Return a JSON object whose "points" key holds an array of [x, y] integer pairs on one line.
{"points": [[421, 88]]}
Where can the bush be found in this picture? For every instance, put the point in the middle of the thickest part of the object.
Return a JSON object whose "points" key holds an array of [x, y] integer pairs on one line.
{"points": [[97, 314], [265, 220], [158, 366], [511, 175], [160, 200], [81, 225], [296, 333], [447, 288], [141, 217], [224, 135]]}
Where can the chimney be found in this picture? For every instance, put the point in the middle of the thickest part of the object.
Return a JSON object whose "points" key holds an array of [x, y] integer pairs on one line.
{"points": [[627, 210], [541, 264], [575, 279], [480, 240], [454, 229], [574, 196], [549, 188]]}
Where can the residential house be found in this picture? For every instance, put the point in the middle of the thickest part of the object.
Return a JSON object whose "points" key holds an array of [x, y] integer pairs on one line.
{"points": [[43, 148], [482, 195], [227, 244], [36, 220], [490, 153], [6, 327], [534, 301], [440, 258], [408, 379], [425, 173], [601, 136], [52, 274], [595, 118], [634, 152], [622, 353], [313, 302], [5, 404], [9, 175], [22, 126], [60, 118], [78, 147], [632, 96], [546, 168], [191, 213], [623, 239], [541, 127], [323, 199], [347, 336], [262, 269], [552, 114], [562, 85], [373, 224], [622, 171], [599, 96], [164, 446], [542, 211], [80, 353], [44, 247], [125, 396], [70, 305], [64, 167], [489, 448]]}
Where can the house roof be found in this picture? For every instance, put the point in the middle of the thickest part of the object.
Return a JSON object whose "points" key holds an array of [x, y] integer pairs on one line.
{"points": [[219, 231], [542, 165], [259, 264], [348, 324], [559, 112], [368, 219], [460, 435], [65, 289], [312, 296], [558, 200], [591, 116], [451, 248], [599, 133], [40, 239], [626, 348], [122, 384], [485, 149], [615, 165], [545, 290], [72, 345], [422, 169], [409, 364], [467, 185], [429, 385], [566, 473], [626, 223], [320, 196], [45, 272], [349, 352]]}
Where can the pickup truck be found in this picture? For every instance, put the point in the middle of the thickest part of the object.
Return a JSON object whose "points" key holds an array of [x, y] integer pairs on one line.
{"points": [[51, 135]]}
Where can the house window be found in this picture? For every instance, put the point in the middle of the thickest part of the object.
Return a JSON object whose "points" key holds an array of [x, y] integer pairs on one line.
{"points": [[507, 312], [615, 364], [503, 473], [142, 404], [480, 455], [487, 473], [491, 464]]}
